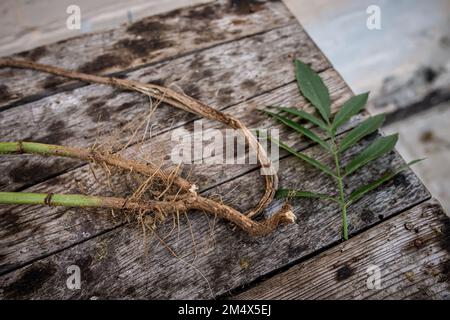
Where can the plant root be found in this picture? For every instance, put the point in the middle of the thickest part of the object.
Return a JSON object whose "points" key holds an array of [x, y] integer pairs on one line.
{"points": [[90, 155], [170, 205], [161, 208], [178, 100], [166, 201]]}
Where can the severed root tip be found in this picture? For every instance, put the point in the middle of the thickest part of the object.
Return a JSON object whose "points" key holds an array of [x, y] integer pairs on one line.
{"points": [[262, 228], [193, 189], [284, 216], [288, 216]]}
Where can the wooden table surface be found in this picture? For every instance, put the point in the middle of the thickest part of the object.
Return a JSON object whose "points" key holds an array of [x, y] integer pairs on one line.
{"points": [[236, 56]]}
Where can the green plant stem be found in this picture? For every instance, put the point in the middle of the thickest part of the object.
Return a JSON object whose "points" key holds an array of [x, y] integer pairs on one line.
{"points": [[20, 147], [192, 202], [340, 183], [37, 148], [80, 200], [344, 221], [68, 200]]}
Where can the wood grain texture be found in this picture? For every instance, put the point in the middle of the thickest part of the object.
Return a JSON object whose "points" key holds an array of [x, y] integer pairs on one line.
{"points": [[234, 70], [147, 41], [219, 76], [214, 257], [31, 232], [412, 251], [27, 25]]}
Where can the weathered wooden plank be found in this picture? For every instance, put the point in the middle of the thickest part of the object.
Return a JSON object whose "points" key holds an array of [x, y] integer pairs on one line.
{"points": [[219, 76], [150, 40], [31, 232], [220, 258], [411, 250], [45, 23]]}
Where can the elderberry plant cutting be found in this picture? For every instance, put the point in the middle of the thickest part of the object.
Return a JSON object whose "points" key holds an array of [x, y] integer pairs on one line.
{"points": [[314, 90]]}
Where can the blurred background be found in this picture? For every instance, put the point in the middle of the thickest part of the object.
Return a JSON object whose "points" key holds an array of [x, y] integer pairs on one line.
{"points": [[405, 63]]}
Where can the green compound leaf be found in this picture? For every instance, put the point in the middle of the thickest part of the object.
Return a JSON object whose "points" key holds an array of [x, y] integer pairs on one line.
{"points": [[378, 148], [305, 115], [313, 88], [353, 105], [365, 128], [304, 157], [358, 193], [294, 125]]}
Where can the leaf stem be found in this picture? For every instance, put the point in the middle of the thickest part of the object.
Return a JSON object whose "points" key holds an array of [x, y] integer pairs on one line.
{"points": [[339, 179], [344, 221]]}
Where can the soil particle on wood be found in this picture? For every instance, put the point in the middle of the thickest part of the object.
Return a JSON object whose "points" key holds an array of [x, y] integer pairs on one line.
{"points": [[367, 216], [32, 280], [99, 112], [104, 62], [344, 272], [245, 7], [34, 54], [203, 13], [24, 172], [143, 46], [9, 223], [51, 82], [4, 93], [147, 26]]}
